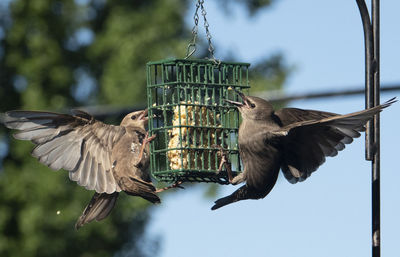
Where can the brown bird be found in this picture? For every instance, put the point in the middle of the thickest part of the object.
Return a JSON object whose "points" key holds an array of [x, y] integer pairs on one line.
{"points": [[290, 139], [98, 156]]}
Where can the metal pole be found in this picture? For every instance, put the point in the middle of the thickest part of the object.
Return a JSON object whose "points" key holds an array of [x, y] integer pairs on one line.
{"points": [[376, 241], [372, 144], [369, 76]]}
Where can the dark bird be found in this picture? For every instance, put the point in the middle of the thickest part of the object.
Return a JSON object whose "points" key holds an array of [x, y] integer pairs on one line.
{"points": [[290, 139], [101, 157]]}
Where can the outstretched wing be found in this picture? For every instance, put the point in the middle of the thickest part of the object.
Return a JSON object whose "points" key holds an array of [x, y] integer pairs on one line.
{"points": [[289, 116], [316, 135], [77, 143]]}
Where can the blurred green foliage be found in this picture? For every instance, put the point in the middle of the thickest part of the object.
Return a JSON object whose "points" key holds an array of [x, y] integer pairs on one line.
{"points": [[56, 54]]}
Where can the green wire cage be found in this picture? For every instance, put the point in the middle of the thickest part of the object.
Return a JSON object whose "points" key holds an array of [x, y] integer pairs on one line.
{"points": [[190, 119]]}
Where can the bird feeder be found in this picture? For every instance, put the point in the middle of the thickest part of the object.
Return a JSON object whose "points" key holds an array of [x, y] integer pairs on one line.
{"points": [[191, 120]]}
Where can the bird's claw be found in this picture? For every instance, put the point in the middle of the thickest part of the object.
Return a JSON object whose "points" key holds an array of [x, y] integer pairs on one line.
{"points": [[224, 162], [146, 140]]}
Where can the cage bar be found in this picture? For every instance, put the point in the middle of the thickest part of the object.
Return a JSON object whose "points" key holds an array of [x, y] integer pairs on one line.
{"points": [[191, 120]]}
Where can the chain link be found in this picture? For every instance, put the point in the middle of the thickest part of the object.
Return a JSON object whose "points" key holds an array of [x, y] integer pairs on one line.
{"points": [[191, 48], [192, 45]]}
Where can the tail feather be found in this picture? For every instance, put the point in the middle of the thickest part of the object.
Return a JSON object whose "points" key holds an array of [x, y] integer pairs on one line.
{"points": [[138, 187], [243, 193], [240, 194], [224, 201], [150, 196], [98, 208]]}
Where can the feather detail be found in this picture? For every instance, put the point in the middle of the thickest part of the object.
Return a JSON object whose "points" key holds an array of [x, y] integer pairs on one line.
{"points": [[79, 144]]}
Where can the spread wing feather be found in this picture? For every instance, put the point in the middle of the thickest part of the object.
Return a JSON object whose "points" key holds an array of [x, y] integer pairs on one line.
{"points": [[312, 135], [77, 143]]}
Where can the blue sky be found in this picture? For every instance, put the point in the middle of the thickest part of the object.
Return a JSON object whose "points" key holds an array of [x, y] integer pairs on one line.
{"points": [[328, 215]]}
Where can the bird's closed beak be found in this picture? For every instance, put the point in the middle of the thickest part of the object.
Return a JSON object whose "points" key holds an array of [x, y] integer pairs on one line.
{"points": [[143, 115], [239, 104]]}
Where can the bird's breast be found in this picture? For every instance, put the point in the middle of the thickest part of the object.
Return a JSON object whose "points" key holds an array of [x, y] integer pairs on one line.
{"points": [[259, 152], [126, 156], [255, 135]]}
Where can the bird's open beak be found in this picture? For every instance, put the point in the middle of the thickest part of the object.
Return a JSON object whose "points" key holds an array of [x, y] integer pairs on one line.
{"points": [[143, 115], [239, 104]]}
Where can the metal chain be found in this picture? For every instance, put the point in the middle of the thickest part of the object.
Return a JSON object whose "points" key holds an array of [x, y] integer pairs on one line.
{"points": [[192, 45], [191, 48], [208, 34]]}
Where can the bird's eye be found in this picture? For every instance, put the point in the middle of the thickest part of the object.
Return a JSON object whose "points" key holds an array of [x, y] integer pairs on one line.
{"points": [[133, 117], [252, 105]]}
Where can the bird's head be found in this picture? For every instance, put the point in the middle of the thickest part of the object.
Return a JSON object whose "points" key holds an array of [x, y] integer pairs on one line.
{"points": [[136, 119], [253, 107]]}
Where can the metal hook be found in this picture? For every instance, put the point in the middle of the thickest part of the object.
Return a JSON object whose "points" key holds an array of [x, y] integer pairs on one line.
{"points": [[191, 49]]}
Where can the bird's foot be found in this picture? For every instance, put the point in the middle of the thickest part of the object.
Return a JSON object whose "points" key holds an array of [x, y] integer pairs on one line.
{"points": [[177, 184], [146, 140], [224, 162]]}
